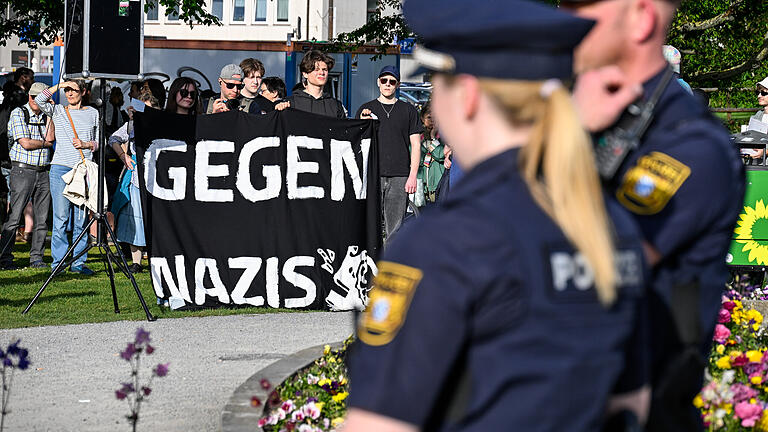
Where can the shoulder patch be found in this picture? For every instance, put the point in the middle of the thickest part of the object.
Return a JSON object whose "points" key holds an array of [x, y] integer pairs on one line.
{"points": [[648, 186], [389, 300]]}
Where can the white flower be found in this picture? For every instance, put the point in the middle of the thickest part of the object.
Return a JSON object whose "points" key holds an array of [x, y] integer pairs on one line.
{"points": [[311, 410], [728, 376], [288, 406], [312, 380], [326, 422], [280, 414], [306, 428], [272, 419], [297, 416]]}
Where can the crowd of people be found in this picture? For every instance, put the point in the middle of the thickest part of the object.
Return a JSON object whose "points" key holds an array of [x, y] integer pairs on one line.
{"points": [[46, 140]]}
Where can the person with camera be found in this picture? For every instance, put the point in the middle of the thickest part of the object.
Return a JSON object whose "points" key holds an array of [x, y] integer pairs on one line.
{"points": [[30, 156], [230, 84], [77, 133], [684, 185]]}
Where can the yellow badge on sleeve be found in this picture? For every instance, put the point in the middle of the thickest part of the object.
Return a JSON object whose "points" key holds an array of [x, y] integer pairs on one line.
{"points": [[648, 186], [388, 303]]}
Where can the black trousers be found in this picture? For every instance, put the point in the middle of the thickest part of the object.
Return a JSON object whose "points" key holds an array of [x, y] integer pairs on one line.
{"points": [[26, 185]]}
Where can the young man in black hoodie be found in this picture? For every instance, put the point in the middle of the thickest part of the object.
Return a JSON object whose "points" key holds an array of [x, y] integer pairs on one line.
{"points": [[314, 69]]}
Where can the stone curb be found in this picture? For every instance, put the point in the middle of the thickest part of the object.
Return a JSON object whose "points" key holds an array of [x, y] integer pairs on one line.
{"points": [[238, 414]]}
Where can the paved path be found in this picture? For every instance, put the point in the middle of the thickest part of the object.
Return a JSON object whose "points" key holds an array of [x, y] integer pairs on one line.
{"points": [[76, 369]]}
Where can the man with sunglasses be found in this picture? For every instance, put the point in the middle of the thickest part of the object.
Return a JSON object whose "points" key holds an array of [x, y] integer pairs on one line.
{"points": [[684, 185], [30, 159], [399, 146], [230, 83]]}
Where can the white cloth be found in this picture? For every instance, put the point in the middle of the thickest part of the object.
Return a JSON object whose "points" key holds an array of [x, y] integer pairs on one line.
{"points": [[81, 188]]}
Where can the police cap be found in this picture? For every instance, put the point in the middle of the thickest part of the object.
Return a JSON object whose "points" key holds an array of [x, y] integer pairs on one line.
{"points": [[505, 39]]}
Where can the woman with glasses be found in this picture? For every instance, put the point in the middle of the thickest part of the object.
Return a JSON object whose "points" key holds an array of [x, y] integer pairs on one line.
{"points": [[756, 154], [524, 317], [183, 97], [71, 147]]}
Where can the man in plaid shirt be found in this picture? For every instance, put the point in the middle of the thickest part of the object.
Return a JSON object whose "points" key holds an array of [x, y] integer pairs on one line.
{"points": [[30, 160]]}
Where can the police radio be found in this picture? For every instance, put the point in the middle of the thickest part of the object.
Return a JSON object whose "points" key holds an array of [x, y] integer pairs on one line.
{"points": [[615, 144]]}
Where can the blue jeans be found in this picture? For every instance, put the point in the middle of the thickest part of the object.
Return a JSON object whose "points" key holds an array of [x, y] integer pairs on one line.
{"points": [[62, 209]]}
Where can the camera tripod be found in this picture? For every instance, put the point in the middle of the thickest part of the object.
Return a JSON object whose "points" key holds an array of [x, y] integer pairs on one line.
{"points": [[104, 231]]}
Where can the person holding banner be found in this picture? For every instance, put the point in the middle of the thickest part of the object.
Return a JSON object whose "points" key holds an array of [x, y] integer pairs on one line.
{"points": [[77, 135], [313, 98], [530, 315]]}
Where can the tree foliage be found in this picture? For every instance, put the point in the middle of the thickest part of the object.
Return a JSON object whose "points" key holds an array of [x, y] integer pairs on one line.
{"points": [[42, 21], [724, 44]]}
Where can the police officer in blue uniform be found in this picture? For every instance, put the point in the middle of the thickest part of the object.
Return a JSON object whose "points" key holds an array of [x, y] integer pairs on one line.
{"points": [[527, 312], [684, 185]]}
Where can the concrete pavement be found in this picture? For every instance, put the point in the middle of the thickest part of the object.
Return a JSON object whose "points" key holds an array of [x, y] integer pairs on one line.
{"points": [[76, 369]]}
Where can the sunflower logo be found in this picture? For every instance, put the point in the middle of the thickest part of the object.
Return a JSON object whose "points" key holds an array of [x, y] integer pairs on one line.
{"points": [[752, 232]]}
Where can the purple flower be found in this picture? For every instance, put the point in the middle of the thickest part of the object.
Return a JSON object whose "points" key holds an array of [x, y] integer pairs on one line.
{"points": [[8, 362], [753, 368], [13, 348], [23, 363], [161, 369], [130, 350], [142, 336], [127, 388], [120, 394], [729, 305], [146, 390], [311, 399], [150, 349], [265, 384]]}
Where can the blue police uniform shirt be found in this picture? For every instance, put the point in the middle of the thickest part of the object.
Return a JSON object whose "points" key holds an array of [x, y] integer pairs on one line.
{"points": [[685, 186], [501, 303]]}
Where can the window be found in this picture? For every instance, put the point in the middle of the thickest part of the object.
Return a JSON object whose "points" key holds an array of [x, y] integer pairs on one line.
{"points": [[172, 14], [282, 10], [371, 6], [152, 14], [238, 11], [217, 8], [261, 10]]}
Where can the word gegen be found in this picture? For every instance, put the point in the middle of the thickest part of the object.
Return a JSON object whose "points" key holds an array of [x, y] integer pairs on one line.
{"points": [[342, 158]]}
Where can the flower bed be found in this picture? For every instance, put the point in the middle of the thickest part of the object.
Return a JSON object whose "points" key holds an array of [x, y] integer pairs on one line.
{"points": [[735, 394], [311, 400]]}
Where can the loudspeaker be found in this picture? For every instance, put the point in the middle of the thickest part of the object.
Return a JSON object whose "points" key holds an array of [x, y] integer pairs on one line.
{"points": [[103, 39]]}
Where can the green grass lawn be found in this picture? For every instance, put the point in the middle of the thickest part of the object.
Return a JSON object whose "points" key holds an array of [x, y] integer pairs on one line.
{"points": [[73, 299]]}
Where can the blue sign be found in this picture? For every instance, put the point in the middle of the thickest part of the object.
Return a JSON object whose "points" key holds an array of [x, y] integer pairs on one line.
{"points": [[406, 45]]}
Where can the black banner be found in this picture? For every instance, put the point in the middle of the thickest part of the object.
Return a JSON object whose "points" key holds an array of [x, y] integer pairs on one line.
{"points": [[279, 210]]}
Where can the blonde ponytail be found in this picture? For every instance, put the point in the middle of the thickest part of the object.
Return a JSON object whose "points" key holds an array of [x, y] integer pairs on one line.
{"points": [[559, 167]]}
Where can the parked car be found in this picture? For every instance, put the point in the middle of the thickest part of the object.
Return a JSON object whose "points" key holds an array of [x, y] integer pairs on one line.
{"points": [[416, 95]]}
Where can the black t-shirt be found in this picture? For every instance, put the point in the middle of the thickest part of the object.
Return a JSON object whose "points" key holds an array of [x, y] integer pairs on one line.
{"points": [[398, 122]]}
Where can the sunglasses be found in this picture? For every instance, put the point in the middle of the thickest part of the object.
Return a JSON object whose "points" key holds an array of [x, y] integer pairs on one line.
{"points": [[186, 93], [233, 85], [762, 92], [70, 89], [392, 81]]}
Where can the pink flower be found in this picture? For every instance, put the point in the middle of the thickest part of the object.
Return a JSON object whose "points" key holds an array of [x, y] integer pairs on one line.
{"points": [[748, 413], [729, 305], [263, 422], [723, 316], [297, 416], [721, 333], [742, 392]]}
